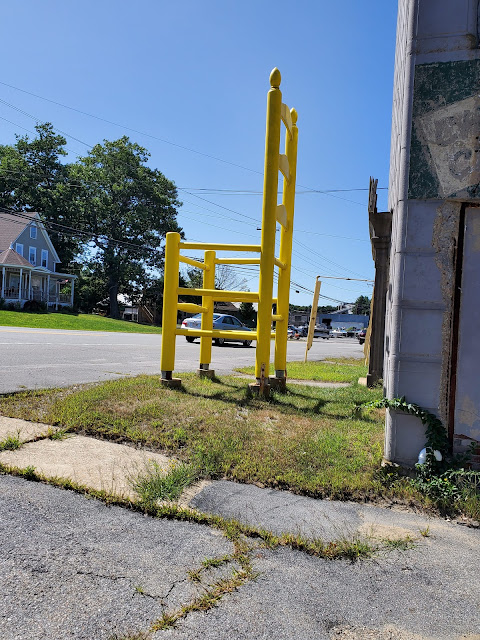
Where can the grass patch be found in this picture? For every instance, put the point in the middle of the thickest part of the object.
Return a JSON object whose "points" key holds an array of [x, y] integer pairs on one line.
{"points": [[333, 370], [154, 484], [308, 440], [80, 322], [304, 440]]}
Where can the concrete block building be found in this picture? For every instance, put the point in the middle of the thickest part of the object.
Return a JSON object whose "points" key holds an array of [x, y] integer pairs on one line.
{"points": [[432, 340]]}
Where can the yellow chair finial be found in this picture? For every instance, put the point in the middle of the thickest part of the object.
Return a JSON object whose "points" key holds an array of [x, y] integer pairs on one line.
{"points": [[294, 114], [275, 78]]}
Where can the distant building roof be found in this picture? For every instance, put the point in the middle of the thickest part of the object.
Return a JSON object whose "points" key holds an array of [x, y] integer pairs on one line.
{"points": [[11, 226], [13, 259], [222, 306]]}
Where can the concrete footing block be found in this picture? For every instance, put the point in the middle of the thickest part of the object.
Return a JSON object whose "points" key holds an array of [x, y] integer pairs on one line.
{"points": [[277, 384], [257, 389], [206, 373], [172, 383]]}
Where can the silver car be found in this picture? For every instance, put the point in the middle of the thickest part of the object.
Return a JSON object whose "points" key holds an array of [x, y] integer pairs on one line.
{"points": [[220, 321]]}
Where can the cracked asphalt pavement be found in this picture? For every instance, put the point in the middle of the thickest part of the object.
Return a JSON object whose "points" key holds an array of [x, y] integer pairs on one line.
{"points": [[74, 568]]}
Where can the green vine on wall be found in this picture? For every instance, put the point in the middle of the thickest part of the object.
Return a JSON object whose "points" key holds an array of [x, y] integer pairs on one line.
{"points": [[435, 432], [445, 482]]}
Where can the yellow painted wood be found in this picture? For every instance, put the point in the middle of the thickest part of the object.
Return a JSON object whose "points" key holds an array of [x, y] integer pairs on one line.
{"points": [[169, 317], [282, 215], [237, 261], [284, 166], [220, 294], [215, 246], [286, 239], [287, 119], [313, 317], [189, 307], [272, 212], [207, 302], [269, 219], [218, 333], [192, 262]]}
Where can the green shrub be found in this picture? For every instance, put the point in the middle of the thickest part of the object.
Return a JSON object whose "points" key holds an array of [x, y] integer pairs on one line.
{"points": [[34, 306]]}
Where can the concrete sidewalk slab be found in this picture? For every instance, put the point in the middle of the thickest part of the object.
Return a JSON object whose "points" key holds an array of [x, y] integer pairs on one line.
{"points": [[97, 464], [25, 430]]}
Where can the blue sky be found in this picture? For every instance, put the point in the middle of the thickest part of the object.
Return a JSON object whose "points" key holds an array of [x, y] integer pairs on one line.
{"points": [[194, 75]]}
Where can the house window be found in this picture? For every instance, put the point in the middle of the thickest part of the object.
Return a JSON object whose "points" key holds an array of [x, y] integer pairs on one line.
{"points": [[45, 258], [32, 255], [19, 249], [33, 231]]}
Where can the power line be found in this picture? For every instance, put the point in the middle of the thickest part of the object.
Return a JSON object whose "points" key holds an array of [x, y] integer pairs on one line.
{"points": [[143, 133], [61, 229], [326, 259], [201, 153], [79, 185], [25, 113], [248, 192]]}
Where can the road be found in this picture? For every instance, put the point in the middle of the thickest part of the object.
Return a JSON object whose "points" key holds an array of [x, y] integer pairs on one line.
{"points": [[40, 358]]}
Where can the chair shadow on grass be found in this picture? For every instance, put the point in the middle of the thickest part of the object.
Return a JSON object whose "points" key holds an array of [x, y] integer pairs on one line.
{"points": [[277, 400], [233, 394]]}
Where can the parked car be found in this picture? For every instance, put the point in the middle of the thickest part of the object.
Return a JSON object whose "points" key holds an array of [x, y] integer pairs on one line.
{"points": [[220, 321], [293, 332], [338, 333], [321, 331], [361, 335], [303, 331]]}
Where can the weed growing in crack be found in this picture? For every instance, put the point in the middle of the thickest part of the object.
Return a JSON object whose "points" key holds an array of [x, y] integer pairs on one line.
{"points": [[195, 575], [204, 602], [11, 442], [215, 562], [58, 434], [155, 484], [400, 544], [29, 473]]}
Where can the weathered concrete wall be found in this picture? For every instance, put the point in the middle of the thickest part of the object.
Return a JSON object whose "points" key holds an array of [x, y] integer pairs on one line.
{"points": [[434, 170]]}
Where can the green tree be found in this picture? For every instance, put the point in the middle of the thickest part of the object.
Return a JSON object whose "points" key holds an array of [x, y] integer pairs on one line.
{"points": [[248, 315], [362, 306], [128, 208], [33, 178], [90, 288], [327, 309]]}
